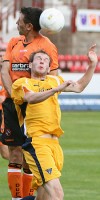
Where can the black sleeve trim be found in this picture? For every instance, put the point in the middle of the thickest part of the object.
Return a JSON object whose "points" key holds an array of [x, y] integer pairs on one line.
{"points": [[6, 60], [54, 69]]}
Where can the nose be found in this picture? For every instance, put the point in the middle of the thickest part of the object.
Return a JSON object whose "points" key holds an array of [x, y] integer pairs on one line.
{"points": [[41, 62]]}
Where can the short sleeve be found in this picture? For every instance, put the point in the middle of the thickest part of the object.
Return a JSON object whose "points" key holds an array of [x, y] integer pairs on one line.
{"points": [[11, 44], [61, 79]]}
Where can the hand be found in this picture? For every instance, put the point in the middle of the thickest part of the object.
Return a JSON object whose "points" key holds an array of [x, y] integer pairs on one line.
{"points": [[62, 87], [92, 55]]}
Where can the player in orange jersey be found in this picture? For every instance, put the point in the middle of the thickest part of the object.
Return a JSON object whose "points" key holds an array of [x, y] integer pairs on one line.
{"points": [[3, 148], [15, 66], [42, 150]]}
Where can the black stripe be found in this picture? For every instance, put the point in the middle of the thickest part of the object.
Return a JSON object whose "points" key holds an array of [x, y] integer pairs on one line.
{"points": [[5, 61], [16, 43], [27, 146], [23, 109]]}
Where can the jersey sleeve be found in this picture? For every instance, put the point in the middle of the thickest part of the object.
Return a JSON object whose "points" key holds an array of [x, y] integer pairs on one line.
{"points": [[11, 44], [61, 79], [7, 55], [19, 88]]}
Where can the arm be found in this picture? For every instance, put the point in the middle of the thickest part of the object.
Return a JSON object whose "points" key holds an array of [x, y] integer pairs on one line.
{"points": [[37, 97], [81, 84], [5, 75], [2, 98]]}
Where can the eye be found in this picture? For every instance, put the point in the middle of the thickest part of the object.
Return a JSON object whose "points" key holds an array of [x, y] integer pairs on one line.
{"points": [[46, 60], [38, 58]]}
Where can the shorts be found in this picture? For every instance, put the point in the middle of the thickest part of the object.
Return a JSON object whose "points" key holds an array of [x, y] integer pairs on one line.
{"points": [[45, 159], [13, 134]]}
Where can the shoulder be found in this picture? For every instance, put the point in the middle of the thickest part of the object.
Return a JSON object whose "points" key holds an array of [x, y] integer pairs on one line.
{"points": [[20, 81], [13, 41], [57, 79], [47, 40]]}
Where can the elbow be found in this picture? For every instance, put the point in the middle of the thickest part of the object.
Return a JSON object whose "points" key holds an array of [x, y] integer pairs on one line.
{"points": [[80, 89], [31, 100], [4, 73]]}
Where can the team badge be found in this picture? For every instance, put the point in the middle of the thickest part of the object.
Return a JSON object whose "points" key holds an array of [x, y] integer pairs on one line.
{"points": [[49, 170]]}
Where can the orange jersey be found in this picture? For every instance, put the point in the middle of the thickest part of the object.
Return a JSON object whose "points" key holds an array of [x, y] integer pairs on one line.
{"points": [[18, 53]]}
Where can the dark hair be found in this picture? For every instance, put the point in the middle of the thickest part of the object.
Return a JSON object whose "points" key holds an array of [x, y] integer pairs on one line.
{"points": [[31, 58], [32, 15]]}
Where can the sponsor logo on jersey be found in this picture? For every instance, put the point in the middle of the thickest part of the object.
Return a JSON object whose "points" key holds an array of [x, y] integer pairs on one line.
{"points": [[20, 67], [49, 170]]}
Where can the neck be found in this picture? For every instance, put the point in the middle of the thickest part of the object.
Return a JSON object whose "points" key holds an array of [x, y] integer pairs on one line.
{"points": [[38, 77], [31, 36]]}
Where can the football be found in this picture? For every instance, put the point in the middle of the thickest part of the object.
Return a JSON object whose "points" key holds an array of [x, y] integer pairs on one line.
{"points": [[51, 21]]}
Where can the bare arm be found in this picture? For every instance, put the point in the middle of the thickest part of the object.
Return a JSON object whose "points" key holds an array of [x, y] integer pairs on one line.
{"points": [[37, 97], [5, 75], [81, 84], [2, 98]]}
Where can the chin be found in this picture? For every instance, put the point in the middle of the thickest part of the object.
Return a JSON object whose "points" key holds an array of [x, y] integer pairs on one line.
{"points": [[21, 33]]}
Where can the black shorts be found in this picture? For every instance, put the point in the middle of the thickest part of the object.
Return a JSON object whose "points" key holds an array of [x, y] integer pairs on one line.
{"points": [[13, 134]]}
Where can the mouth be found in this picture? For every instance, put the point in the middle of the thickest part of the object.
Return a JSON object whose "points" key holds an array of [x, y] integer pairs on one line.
{"points": [[41, 67]]}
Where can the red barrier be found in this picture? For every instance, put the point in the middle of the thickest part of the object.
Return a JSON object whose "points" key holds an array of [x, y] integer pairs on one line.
{"points": [[75, 63]]}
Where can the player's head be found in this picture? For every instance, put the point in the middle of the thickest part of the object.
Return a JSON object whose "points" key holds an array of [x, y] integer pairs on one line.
{"points": [[29, 20], [40, 62]]}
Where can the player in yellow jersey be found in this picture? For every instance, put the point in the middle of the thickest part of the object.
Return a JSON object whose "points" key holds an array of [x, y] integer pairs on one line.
{"points": [[15, 66], [42, 121]]}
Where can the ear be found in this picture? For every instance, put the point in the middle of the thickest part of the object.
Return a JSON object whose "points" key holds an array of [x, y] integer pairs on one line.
{"points": [[30, 65], [29, 26]]}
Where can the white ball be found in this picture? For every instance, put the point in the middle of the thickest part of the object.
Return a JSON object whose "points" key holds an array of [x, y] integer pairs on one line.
{"points": [[51, 21]]}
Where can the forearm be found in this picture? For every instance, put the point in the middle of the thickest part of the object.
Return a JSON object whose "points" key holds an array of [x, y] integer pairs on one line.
{"points": [[7, 82], [81, 84], [84, 81], [38, 97]]}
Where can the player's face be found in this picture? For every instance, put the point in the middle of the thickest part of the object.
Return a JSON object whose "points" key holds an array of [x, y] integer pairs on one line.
{"points": [[40, 64], [21, 26]]}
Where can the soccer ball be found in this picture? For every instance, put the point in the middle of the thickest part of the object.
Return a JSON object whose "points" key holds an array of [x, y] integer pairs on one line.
{"points": [[51, 21]]}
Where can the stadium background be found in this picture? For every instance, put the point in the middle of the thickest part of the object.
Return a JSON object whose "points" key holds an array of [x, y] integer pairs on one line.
{"points": [[82, 29], [81, 172]]}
